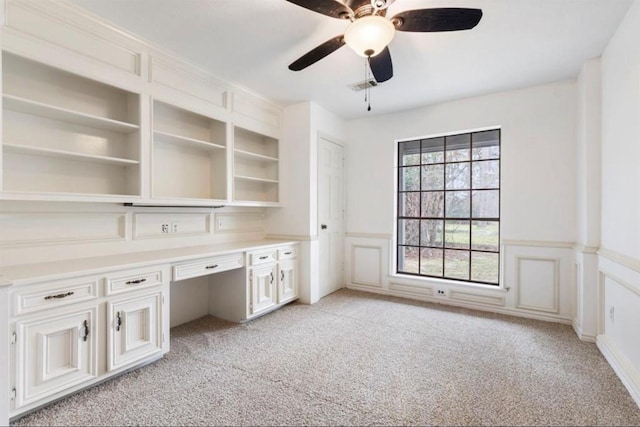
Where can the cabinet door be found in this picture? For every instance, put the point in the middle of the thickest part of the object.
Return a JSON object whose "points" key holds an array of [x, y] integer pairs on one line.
{"points": [[263, 289], [54, 353], [135, 329], [287, 281]]}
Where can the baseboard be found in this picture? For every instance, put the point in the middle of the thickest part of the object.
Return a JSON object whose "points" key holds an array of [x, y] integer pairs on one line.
{"points": [[621, 366], [472, 306], [583, 337]]}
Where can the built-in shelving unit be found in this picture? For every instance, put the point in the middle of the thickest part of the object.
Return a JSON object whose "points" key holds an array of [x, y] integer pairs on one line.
{"points": [[255, 167], [64, 134], [189, 154]]}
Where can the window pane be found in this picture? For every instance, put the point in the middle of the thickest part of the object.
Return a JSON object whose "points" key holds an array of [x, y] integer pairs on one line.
{"points": [[433, 204], [410, 153], [458, 204], [433, 150], [456, 234], [431, 233], [409, 179], [409, 204], [486, 174], [486, 204], [456, 264], [458, 147], [433, 177], [431, 262], [485, 267], [408, 232], [485, 235], [486, 145], [408, 259], [458, 176]]}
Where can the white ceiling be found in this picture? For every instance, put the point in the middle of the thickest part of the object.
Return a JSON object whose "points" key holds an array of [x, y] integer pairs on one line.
{"points": [[517, 43]]}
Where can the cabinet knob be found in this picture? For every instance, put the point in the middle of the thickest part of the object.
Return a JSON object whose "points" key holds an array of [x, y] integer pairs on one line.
{"points": [[323, 226], [85, 330], [118, 321], [48, 297], [135, 282]]}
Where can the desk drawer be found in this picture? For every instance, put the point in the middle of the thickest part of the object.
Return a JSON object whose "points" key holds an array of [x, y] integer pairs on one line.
{"points": [[205, 266], [54, 294], [262, 257], [131, 280], [287, 252]]}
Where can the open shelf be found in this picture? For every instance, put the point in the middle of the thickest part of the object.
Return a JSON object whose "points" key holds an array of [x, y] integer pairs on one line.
{"points": [[250, 155], [25, 149], [184, 140], [34, 108], [253, 178]]}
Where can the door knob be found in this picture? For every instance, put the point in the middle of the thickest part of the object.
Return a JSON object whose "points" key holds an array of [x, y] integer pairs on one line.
{"points": [[323, 226]]}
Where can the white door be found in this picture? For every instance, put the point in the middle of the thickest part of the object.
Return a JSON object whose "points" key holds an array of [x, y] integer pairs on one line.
{"points": [[288, 281], [263, 289], [330, 215]]}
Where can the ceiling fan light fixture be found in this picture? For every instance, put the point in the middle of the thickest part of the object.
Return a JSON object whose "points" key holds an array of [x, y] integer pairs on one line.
{"points": [[369, 34]]}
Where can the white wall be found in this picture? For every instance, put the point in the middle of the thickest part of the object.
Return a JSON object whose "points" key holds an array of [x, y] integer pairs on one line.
{"points": [[298, 218], [619, 261], [538, 196]]}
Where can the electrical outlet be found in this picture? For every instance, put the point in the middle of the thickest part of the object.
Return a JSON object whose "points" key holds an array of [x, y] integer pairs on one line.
{"points": [[611, 313], [165, 228], [174, 227], [440, 292]]}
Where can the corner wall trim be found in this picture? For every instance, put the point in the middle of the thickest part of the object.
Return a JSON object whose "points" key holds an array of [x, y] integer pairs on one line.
{"points": [[624, 260], [627, 374]]}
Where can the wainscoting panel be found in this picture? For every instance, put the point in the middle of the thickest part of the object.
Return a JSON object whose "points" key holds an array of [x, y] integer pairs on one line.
{"points": [[618, 320], [240, 222], [477, 298], [170, 224], [51, 228], [367, 265], [537, 284]]}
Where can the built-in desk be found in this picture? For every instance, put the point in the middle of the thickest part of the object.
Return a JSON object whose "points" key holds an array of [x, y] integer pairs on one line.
{"points": [[78, 322]]}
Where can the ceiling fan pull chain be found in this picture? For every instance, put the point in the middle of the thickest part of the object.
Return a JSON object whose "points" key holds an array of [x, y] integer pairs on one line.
{"points": [[367, 91]]}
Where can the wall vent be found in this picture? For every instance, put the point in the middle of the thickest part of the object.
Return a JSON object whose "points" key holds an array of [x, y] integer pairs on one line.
{"points": [[366, 84]]}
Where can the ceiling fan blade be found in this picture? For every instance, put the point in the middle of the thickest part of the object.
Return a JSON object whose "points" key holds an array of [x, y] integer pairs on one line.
{"points": [[381, 66], [440, 19], [317, 54], [326, 7]]}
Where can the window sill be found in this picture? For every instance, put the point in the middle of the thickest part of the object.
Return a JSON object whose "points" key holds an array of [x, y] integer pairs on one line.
{"points": [[447, 282]]}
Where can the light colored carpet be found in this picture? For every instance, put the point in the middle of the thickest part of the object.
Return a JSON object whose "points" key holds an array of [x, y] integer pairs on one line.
{"points": [[361, 359]]}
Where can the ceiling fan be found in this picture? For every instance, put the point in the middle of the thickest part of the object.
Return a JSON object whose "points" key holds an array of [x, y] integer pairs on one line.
{"points": [[370, 31]]}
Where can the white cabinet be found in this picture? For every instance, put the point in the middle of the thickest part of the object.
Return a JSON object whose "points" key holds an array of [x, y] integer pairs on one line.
{"points": [[55, 352], [263, 288], [71, 333], [135, 329], [65, 136], [287, 281]]}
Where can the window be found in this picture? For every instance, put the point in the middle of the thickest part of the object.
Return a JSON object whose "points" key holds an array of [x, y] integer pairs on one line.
{"points": [[449, 207]]}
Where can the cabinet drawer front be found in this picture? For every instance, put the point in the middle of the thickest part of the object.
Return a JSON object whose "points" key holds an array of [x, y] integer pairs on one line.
{"points": [[132, 280], [205, 266], [263, 257], [287, 253], [54, 294]]}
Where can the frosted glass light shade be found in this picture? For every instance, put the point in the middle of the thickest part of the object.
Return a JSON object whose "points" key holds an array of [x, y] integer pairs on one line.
{"points": [[369, 33]]}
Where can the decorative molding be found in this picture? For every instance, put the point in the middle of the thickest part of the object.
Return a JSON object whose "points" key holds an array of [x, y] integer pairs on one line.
{"points": [[606, 274], [256, 110], [377, 284], [586, 250], [621, 366], [238, 222], [556, 285], [206, 84], [498, 300], [53, 228], [473, 306], [64, 17], [583, 337], [299, 237], [410, 289], [624, 260], [539, 243], [380, 236]]}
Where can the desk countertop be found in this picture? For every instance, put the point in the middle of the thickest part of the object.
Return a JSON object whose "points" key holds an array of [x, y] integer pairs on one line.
{"points": [[30, 273]]}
